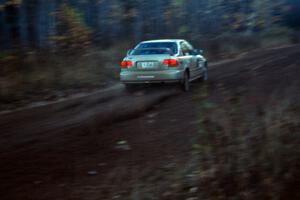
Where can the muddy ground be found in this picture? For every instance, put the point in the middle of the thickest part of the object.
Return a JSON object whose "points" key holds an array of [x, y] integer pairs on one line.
{"points": [[120, 145]]}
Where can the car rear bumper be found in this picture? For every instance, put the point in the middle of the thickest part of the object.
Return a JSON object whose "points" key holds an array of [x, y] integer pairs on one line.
{"points": [[151, 76]]}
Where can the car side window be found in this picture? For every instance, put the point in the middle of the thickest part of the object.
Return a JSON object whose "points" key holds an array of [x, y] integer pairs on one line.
{"points": [[190, 48], [184, 49]]}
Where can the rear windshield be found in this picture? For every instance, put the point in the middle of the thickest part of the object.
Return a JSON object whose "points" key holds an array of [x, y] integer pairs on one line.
{"points": [[151, 51], [169, 45]]}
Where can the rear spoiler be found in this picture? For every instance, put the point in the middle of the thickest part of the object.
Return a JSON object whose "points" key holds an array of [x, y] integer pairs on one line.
{"points": [[170, 52]]}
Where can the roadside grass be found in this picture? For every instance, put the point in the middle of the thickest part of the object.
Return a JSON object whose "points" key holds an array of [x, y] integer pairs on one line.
{"points": [[39, 76], [248, 150]]}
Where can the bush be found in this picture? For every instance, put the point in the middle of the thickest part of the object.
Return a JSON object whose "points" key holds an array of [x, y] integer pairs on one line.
{"points": [[249, 156], [73, 35]]}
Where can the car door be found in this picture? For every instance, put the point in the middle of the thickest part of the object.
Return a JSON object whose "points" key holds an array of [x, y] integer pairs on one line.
{"points": [[201, 64], [194, 71], [198, 62]]}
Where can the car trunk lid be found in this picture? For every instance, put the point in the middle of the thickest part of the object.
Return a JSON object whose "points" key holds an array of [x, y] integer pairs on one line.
{"points": [[148, 62]]}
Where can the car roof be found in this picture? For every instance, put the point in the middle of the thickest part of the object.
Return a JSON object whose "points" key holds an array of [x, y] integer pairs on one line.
{"points": [[163, 40]]}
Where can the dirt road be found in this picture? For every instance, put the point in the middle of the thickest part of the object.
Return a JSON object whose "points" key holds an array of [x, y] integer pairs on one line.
{"points": [[110, 144]]}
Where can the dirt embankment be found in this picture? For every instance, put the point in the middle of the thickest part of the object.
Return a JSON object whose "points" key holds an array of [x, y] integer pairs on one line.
{"points": [[78, 149]]}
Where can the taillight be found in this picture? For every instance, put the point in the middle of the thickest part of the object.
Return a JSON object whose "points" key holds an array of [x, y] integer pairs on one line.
{"points": [[170, 62], [126, 63], [166, 62], [173, 62], [123, 64]]}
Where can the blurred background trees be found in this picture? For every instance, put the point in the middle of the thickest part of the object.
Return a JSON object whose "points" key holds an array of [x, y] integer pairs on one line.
{"points": [[74, 23]]}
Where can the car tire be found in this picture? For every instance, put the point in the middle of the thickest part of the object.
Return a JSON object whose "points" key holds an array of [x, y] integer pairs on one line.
{"points": [[204, 76], [185, 85]]}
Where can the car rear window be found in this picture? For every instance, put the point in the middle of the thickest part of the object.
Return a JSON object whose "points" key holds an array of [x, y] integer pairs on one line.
{"points": [[169, 45]]}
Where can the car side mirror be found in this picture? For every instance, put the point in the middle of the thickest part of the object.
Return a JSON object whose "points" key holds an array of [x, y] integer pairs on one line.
{"points": [[198, 52], [129, 52]]}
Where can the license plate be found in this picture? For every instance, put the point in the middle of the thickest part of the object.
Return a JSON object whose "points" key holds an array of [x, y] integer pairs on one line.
{"points": [[147, 65], [145, 77]]}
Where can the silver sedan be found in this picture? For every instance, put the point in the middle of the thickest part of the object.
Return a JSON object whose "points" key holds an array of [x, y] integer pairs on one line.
{"points": [[159, 61]]}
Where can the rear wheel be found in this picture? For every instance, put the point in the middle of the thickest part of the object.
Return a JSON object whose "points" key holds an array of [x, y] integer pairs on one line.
{"points": [[204, 73], [185, 85]]}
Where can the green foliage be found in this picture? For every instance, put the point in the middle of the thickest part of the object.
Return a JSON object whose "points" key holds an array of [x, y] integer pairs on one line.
{"points": [[183, 30], [72, 34], [177, 3]]}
